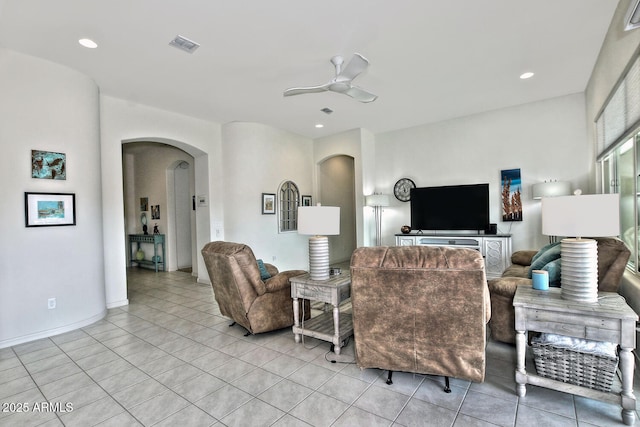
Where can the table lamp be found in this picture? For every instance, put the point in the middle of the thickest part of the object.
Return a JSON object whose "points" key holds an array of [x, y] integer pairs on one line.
{"points": [[377, 201], [319, 221], [592, 215]]}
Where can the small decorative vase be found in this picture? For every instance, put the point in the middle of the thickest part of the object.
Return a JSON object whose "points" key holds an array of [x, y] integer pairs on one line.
{"points": [[156, 258], [405, 229], [140, 255]]}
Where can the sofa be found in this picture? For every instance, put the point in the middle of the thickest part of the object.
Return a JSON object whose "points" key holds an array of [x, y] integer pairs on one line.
{"points": [[252, 293], [612, 261], [420, 309]]}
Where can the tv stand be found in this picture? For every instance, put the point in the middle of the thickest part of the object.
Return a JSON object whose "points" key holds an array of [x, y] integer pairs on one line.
{"points": [[495, 248]]}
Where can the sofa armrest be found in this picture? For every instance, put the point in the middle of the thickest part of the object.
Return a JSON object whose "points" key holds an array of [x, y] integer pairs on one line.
{"points": [[271, 269], [523, 257], [281, 280]]}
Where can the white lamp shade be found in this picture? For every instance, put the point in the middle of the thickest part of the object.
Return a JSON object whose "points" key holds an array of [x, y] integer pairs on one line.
{"points": [[319, 220], [590, 215], [377, 200], [551, 189]]}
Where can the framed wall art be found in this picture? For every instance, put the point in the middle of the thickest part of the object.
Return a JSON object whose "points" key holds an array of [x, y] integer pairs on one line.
{"points": [[511, 195], [49, 209], [268, 204], [48, 165], [306, 200]]}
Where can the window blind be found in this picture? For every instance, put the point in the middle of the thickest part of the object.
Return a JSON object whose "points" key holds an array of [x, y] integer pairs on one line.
{"points": [[621, 113]]}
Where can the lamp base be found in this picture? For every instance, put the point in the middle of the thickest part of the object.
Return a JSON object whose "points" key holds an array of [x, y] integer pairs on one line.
{"points": [[319, 257], [579, 272]]}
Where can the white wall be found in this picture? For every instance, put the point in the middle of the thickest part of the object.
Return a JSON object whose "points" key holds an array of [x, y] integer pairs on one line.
{"points": [[123, 121], [258, 159], [546, 140], [45, 106]]}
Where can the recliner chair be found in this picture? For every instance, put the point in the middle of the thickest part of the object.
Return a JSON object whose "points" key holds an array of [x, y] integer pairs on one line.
{"points": [[257, 305], [420, 309]]}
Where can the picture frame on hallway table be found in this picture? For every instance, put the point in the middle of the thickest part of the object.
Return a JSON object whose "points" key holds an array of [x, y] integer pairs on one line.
{"points": [[49, 209], [306, 201]]}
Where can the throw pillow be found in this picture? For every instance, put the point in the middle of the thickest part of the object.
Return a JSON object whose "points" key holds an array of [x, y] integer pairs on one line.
{"points": [[264, 274], [554, 270], [548, 253]]}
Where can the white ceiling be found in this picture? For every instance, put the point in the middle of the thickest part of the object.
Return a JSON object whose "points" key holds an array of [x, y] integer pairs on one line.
{"points": [[431, 60]]}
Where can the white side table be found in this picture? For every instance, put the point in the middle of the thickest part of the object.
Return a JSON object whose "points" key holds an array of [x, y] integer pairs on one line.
{"points": [[333, 326], [610, 319]]}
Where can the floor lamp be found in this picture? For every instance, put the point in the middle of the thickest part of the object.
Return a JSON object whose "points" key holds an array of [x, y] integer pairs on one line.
{"points": [[593, 215], [319, 222], [377, 201]]}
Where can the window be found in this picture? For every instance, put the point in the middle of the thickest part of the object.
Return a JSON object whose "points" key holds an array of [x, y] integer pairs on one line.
{"points": [[619, 174], [618, 143], [289, 197]]}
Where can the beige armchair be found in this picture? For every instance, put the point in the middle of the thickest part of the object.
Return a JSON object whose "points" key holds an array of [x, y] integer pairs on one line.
{"points": [[420, 309], [257, 305]]}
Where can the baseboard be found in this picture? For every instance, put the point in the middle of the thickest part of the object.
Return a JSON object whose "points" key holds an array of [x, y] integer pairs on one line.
{"points": [[117, 304], [52, 332]]}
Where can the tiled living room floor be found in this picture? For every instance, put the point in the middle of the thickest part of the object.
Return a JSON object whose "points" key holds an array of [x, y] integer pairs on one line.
{"points": [[170, 359]]}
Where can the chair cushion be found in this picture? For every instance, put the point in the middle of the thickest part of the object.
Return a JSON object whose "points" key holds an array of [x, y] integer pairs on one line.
{"points": [[548, 253], [264, 274]]}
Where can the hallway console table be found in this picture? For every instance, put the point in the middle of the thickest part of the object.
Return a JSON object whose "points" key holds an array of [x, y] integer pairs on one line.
{"points": [[610, 319], [331, 326], [158, 261]]}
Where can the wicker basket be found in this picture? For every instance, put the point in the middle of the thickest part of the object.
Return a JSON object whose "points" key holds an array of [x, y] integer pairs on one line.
{"points": [[570, 366]]}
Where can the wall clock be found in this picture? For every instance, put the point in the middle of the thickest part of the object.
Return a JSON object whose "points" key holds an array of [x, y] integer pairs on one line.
{"points": [[402, 189]]}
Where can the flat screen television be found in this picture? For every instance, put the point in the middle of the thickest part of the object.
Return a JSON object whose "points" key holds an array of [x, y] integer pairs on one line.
{"points": [[451, 207]]}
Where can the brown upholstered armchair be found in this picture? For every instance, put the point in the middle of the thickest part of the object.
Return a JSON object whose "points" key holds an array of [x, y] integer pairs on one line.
{"points": [[612, 261], [420, 309], [242, 295]]}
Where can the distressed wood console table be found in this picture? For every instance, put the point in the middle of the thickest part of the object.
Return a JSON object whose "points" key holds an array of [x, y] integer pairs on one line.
{"points": [[610, 319], [158, 261]]}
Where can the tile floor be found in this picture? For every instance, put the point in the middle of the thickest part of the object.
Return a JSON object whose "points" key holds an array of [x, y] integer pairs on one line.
{"points": [[170, 359]]}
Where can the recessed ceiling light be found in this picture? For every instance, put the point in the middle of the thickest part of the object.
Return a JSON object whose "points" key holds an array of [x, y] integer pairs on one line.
{"points": [[319, 125], [526, 75], [88, 43]]}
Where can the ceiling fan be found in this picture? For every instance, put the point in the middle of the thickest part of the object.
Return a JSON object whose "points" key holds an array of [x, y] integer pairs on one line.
{"points": [[341, 83]]}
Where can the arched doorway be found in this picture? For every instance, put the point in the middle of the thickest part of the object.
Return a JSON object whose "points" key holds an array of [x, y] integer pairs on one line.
{"points": [[183, 206], [336, 185], [159, 181]]}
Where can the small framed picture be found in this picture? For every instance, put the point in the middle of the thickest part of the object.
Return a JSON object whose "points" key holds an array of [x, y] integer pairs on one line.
{"points": [[268, 203], [306, 200], [49, 209], [48, 165], [144, 204]]}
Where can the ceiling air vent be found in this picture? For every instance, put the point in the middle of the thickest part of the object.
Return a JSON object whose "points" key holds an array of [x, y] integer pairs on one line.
{"points": [[327, 110], [632, 19], [184, 43]]}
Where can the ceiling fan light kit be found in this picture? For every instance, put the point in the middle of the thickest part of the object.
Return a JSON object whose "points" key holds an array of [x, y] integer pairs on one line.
{"points": [[342, 82]]}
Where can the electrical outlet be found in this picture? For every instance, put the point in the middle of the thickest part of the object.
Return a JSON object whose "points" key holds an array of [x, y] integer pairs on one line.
{"points": [[51, 303]]}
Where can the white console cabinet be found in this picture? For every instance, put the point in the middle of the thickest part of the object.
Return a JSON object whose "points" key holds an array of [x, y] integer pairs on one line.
{"points": [[495, 248]]}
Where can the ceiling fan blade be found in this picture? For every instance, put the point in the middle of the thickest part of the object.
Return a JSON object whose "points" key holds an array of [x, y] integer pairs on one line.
{"points": [[309, 89], [356, 66], [360, 94]]}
